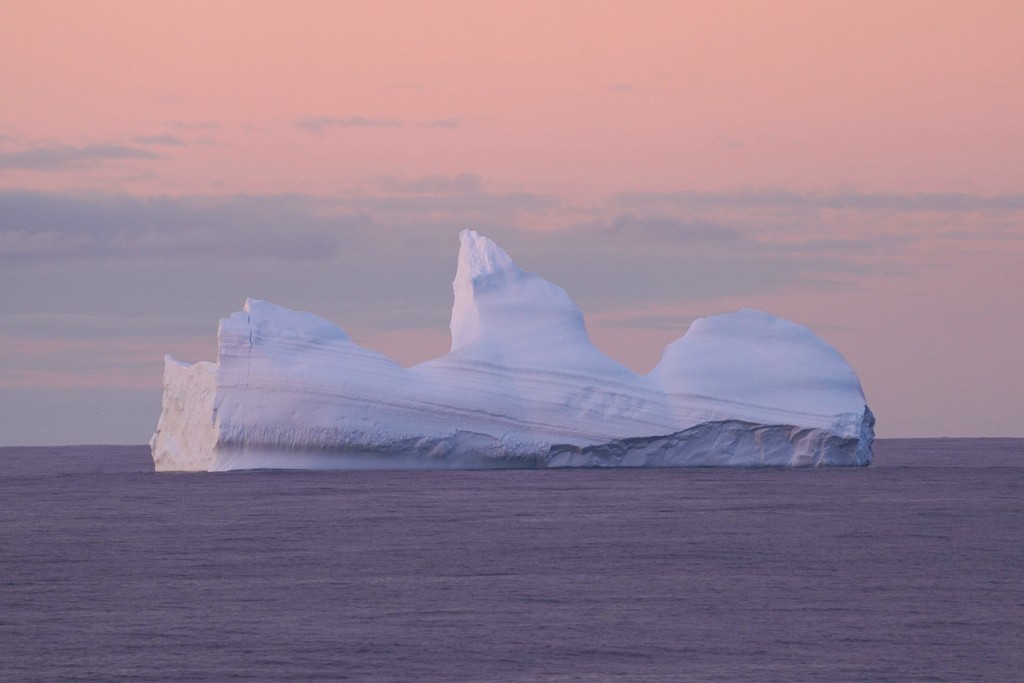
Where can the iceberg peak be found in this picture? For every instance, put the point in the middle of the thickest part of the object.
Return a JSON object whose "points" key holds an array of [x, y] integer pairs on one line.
{"points": [[481, 258], [503, 313], [482, 265]]}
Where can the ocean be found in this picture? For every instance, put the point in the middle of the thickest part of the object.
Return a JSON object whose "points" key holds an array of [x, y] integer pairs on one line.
{"points": [[911, 569]]}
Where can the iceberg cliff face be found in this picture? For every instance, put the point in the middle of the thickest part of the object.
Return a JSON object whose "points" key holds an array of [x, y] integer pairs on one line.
{"points": [[523, 386]]}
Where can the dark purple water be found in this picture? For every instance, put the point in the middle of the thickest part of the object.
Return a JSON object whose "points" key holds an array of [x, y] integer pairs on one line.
{"points": [[909, 570]]}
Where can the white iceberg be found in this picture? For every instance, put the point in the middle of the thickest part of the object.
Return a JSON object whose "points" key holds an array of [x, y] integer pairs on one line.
{"points": [[523, 387]]}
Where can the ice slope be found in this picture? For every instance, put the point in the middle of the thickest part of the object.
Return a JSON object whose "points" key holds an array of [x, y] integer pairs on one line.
{"points": [[522, 386]]}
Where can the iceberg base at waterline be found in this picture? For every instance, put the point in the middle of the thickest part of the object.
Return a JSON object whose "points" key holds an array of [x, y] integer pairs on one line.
{"points": [[522, 387]]}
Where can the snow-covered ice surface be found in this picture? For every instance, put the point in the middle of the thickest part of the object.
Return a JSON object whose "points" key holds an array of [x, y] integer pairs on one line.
{"points": [[523, 387]]}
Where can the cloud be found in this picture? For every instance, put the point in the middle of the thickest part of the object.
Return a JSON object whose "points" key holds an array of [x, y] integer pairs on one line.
{"points": [[318, 125], [405, 235], [461, 199], [463, 183], [633, 259], [63, 227], [861, 223], [412, 207], [445, 123], [998, 231], [192, 125], [168, 140], [376, 260], [40, 226], [774, 198], [59, 157], [670, 229], [88, 326]]}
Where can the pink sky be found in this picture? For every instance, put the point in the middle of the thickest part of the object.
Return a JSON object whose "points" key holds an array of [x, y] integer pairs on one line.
{"points": [[885, 135]]}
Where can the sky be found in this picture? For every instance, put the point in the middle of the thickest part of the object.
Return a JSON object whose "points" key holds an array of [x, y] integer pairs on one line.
{"points": [[856, 167]]}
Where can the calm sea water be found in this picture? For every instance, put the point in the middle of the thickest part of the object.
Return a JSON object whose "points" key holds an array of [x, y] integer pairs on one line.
{"points": [[909, 570]]}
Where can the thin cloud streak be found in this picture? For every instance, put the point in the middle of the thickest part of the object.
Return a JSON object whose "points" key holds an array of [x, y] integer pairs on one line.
{"points": [[193, 125], [463, 183], [769, 198], [671, 229], [165, 140], [318, 125], [59, 157], [483, 205], [450, 123], [44, 227], [91, 326], [70, 361]]}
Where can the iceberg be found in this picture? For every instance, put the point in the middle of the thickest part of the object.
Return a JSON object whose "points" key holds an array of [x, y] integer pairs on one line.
{"points": [[522, 387]]}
